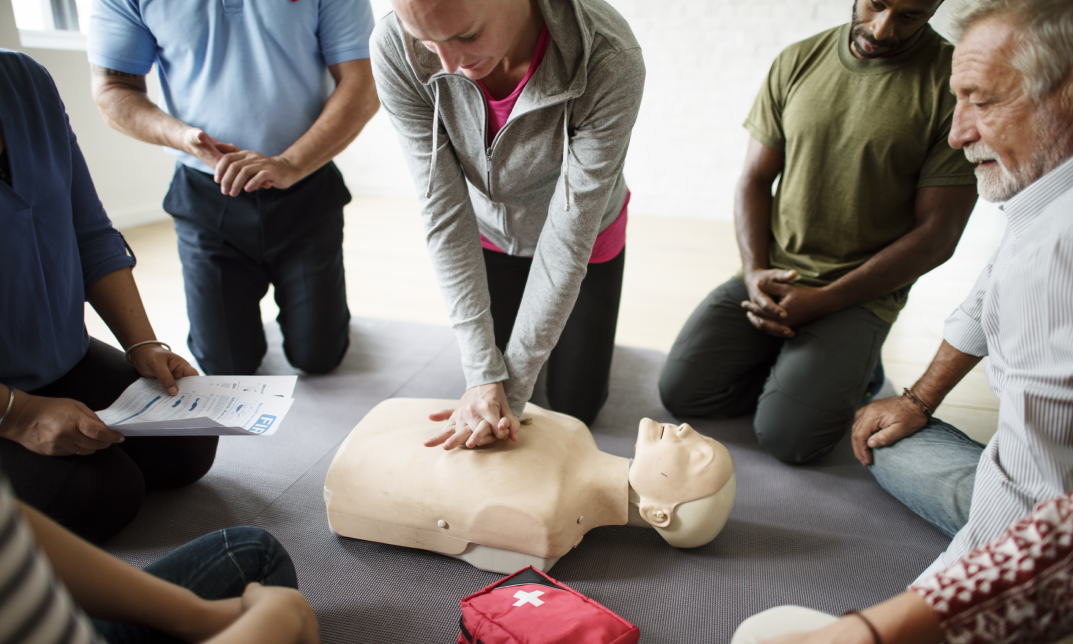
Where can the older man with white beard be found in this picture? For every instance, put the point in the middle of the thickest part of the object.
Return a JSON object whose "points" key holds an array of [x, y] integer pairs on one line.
{"points": [[1013, 78], [1006, 576]]}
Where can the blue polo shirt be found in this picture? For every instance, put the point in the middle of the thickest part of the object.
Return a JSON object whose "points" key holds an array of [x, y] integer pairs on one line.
{"points": [[55, 239], [248, 72]]}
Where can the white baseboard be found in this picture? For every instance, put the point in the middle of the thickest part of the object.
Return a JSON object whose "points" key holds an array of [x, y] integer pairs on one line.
{"points": [[139, 216]]}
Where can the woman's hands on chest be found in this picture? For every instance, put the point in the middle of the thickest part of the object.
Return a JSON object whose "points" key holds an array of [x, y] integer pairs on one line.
{"points": [[482, 418]]}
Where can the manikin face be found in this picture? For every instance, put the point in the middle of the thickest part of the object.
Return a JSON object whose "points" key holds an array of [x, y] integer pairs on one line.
{"points": [[674, 464], [1013, 139], [884, 28], [471, 35]]}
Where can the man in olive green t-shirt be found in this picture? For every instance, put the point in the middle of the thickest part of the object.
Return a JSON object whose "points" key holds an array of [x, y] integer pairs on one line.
{"points": [[871, 197]]}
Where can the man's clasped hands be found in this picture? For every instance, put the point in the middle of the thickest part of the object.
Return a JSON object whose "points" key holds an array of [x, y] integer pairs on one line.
{"points": [[776, 306], [238, 170]]}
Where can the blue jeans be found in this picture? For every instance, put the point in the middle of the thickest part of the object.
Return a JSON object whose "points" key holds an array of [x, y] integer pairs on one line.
{"points": [[215, 566], [932, 472]]}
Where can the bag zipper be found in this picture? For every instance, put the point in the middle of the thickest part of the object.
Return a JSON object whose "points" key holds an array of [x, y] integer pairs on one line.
{"points": [[465, 633]]}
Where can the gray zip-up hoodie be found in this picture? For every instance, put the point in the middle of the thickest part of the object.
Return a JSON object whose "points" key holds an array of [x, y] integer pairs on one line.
{"points": [[548, 184]]}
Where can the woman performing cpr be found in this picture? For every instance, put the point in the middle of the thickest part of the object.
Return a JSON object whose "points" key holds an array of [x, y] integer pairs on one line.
{"points": [[515, 117]]}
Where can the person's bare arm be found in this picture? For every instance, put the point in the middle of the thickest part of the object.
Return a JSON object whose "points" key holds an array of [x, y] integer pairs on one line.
{"points": [[752, 222], [347, 110], [108, 588], [116, 299], [903, 619], [886, 422], [272, 615], [941, 215], [61, 426], [124, 103]]}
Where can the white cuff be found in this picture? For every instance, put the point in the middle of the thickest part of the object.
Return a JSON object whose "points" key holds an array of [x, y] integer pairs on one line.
{"points": [[965, 333]]}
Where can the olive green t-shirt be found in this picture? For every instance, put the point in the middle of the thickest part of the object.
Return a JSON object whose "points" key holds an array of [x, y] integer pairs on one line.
{"points": [[859, 138]]}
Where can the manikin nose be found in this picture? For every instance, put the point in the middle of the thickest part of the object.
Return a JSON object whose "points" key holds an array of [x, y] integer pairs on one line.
{"points": [[677, 431]]}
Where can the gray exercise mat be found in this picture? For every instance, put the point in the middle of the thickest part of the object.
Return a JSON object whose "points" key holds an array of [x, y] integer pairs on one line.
{"points": [[824, 536]]}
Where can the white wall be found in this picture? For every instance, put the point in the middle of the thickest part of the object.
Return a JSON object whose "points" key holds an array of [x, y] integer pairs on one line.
{"points": [[705, 59]]}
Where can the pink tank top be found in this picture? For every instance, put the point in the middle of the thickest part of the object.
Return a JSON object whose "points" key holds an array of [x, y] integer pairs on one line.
{"points": [[612, 240]]}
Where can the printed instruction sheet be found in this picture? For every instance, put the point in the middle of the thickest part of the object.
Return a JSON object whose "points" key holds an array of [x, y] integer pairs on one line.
{"points": [[204, 406]]}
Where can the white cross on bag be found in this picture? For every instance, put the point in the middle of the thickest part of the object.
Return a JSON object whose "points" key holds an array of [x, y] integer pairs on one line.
{"points": [[528, 598]]}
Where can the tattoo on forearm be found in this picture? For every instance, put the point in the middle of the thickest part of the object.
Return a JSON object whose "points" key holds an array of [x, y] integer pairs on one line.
{"points": [[104, 71]]}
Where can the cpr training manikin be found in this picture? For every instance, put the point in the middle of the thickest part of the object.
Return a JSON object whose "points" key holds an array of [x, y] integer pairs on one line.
{"points": [[509, 505]]}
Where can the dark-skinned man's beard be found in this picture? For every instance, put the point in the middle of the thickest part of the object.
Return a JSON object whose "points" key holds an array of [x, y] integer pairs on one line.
{"points": [[858, 30]]}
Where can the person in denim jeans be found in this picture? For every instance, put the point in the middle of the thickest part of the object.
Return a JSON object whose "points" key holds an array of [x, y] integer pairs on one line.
{"points": [[215, 567], [236, 585], [1013, 80], [942, 501]]}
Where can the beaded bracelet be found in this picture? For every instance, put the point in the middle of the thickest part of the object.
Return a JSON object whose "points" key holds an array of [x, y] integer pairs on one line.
{"points": [[126, 354], [924, 408], [875, 633]]}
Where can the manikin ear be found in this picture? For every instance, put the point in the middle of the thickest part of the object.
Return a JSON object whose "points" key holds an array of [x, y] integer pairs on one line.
{"points": [[700, 459], [657, 515]]}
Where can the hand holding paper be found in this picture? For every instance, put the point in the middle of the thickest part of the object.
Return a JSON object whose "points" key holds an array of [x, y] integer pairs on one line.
{"points": [[204, 406]]}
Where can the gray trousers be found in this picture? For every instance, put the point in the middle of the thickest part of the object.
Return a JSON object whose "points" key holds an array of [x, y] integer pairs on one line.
{"points": [[804, 390]]}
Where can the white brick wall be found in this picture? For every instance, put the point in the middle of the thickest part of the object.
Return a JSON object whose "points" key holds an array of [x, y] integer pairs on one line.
{"points": [[705, 60]]}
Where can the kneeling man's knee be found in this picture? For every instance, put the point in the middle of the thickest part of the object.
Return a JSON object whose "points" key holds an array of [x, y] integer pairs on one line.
{"points": [[795, 433], [688, 391], [674, 390], [317, 356]]}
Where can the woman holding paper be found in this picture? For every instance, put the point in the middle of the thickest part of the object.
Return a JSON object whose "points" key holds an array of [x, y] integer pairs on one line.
{"points": [[59, 250]]}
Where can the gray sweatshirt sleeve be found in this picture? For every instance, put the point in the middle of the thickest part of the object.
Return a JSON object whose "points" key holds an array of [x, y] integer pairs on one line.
{"points": [[601, 121], [450, 223]]}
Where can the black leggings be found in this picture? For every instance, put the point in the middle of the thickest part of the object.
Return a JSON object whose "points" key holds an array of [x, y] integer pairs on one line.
{"points": [[579, 367], [95, 496]]}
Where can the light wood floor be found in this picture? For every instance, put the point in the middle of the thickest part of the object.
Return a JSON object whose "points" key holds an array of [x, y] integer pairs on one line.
{"points": [[671, 264]]}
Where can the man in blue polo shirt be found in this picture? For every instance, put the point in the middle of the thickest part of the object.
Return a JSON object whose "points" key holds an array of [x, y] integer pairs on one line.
{"points": [[254, 123]]}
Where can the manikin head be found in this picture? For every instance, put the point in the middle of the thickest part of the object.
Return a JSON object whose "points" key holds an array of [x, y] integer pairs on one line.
{"points": [[472, 35], [1013, 78], [883, 28], [684, 481]]}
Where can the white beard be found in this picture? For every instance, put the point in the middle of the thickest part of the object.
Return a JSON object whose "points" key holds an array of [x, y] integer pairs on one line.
{"points": [[997, 183]]}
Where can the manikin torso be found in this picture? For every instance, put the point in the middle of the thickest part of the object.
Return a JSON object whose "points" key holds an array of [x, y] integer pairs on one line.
{"points": [[509, 505]]}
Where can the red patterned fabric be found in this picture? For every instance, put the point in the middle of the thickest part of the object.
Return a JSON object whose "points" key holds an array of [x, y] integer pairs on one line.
{"points": [[1018, 588]]}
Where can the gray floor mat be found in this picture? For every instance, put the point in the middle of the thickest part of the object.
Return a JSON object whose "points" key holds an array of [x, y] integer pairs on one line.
{"points": [[823, 536]]}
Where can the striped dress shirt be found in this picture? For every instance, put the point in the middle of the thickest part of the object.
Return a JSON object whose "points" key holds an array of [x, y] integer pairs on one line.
{"points": [[34, 607], [1020, 315]]}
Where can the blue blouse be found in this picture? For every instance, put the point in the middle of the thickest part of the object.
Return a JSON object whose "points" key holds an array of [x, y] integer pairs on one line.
{"points": [[55, 239]]}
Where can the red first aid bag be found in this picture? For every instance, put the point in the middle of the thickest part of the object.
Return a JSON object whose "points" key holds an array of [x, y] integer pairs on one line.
{"points": [[530, 607]]}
